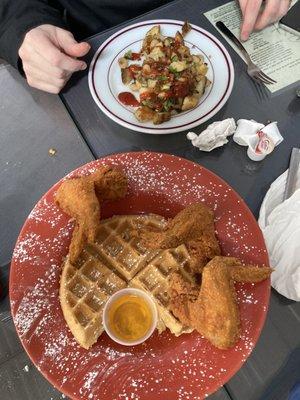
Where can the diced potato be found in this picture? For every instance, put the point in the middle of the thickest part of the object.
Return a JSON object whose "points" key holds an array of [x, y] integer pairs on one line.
{"points": [[156, 54], [186, 28], [144, 114], [146, 69], [198, 59], [153, 43], [178, 103], [156, 43], [201, 85], [144, 83], [146, 45], [179, 38], [162, 95], [135, 86], [159, 118], [178, 66], [189, 102], [144, 90], [166, 86], [184, 51], [123, 63], [126, 76], [202, 68], [168, 41], [154, 31], [152, 83]]}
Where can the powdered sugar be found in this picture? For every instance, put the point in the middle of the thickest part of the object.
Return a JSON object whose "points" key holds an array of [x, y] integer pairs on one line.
{"points": [[37, 249], [89, 379], [34, 302], [46, 212]]}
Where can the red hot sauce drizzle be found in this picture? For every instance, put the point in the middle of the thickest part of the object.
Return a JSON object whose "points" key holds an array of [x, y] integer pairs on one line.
{"points": [[128, 99], [135, 56]]}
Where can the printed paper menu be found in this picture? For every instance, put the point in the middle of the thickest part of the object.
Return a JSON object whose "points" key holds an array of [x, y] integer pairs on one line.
{"points": [[275, 50]]}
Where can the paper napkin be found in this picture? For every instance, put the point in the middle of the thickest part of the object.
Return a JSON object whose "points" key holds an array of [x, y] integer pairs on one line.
{"points": [[280, 223]]}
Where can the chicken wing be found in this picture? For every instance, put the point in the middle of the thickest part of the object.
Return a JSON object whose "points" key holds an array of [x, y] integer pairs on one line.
{"points": [[80, 198], [182, 293], [110, 183], [193, 226], [214, 311]]}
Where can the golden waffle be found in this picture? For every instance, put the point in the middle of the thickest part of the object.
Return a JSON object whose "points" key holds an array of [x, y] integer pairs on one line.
{"points": [[118, 249], [154, 279], [84, 290], [117, 259]]}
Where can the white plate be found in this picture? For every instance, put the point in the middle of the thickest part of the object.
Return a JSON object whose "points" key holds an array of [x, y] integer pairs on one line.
{"points": [[105, 81]]}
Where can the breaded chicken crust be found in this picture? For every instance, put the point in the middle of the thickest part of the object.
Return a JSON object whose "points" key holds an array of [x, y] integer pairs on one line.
{"points": [[212, 308], [80, 198]]}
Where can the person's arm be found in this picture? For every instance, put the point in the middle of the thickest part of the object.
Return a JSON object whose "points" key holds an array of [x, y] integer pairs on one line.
{"points": [[33, 40]]}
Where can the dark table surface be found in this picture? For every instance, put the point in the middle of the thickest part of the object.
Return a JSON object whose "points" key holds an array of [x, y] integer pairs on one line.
{"points": [[32, 122]]}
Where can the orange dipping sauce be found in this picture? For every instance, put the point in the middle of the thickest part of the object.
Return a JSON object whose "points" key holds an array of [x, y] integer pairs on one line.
{"points": [[130, 317]]}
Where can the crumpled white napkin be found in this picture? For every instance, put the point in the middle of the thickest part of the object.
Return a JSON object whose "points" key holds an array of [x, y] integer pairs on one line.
{"points": [[245, 130], [260, 139], [280, 224], [215, 135], [249, 133]]}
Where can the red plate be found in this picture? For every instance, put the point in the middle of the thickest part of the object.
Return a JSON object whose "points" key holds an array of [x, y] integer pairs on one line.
{"points": [[165, 367]]}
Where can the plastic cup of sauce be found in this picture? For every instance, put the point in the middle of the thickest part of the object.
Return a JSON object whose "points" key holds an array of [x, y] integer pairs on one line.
{"points": [[130, 316]]}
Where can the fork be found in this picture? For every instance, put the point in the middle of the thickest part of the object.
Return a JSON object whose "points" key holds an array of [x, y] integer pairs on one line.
{"points": [[253, 70]]}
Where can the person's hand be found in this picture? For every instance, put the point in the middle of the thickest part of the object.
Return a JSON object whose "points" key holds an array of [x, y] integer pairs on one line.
{"points": [[49, 56], [255, 19]]}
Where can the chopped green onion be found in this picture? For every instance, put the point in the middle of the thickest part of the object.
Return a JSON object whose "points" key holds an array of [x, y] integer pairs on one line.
{"points": [[174, 58], [173, 70], [167, 104], [147, 103], [128, 55]]}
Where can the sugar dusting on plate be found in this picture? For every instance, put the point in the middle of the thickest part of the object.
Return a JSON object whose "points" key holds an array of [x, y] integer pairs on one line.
{"points": [[152, 369]]}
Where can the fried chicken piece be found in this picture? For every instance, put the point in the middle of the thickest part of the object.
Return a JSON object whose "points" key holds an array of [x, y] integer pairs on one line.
{"points": [[193, 226], [202, 250], [215, 312], [245, 273], [79, 238], [181, 293], [219, 319], [80, 198], [188, 224], [110, 183]]}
